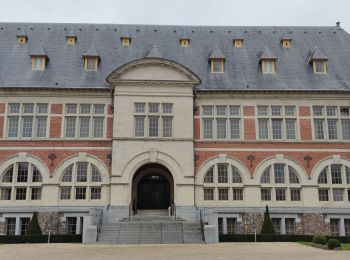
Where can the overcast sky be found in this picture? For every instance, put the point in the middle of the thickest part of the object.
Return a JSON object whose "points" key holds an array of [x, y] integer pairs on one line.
{"points": [[180, 12]]}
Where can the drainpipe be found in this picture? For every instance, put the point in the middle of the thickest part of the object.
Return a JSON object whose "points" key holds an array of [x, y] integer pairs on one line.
{"points": [[194, 152]]}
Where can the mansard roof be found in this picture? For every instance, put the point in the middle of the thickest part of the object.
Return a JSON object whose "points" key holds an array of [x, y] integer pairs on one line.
{"points": [[38, 50], [318, 55], [65, 70], [266, 54]]}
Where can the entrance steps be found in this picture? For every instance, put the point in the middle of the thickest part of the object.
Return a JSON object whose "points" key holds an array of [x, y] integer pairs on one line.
{"points": [[151, 230]]}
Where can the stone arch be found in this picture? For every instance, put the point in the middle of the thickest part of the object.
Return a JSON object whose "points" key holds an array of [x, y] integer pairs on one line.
{"points": [[81, 157], [24, 157], [244, 172], [335, 159], [280, 158]]}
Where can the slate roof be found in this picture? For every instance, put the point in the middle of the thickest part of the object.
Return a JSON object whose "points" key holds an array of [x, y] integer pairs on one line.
{"points": [[242, 69], [267, 55], [38, 50], [154, 53], [91, 52], [317, 55]]}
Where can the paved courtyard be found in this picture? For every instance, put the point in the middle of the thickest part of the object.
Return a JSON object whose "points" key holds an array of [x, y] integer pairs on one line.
{"points": [[237, 251]]}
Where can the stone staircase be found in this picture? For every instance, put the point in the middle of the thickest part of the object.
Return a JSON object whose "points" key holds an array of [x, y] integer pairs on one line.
{"points": [[151, 229]]}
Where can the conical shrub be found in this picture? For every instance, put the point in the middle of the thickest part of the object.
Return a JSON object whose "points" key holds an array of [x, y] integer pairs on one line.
{"points": [[267, 227], [34, 227]]}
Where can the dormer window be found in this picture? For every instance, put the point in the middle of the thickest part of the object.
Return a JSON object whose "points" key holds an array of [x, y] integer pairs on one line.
{"points": [[90, 63], [318, 61], [71, 38], [91, 59], [38, 63], [125, 41], [184, 42], [21, 39], [268, 62], [217, 65], [238, 43], [217, 62], [268, 66], [286, 43]]}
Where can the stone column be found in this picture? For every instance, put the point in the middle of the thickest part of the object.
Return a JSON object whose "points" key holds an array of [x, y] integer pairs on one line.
{"points": [[283, 226], [341, 227]]}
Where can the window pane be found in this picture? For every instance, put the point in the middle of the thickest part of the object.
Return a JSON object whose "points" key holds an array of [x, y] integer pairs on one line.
{"points": [[22, 172], [319, 131], [14, 108], [95, 174], [65, 193], [276, 129], [139, 125], [237, 194], [36, 177], [331, 111], [10, 225], [279, 173], [345, 111], [345, 124], [28, 108], [67, 175], [167, 126], [27, 126], [71, 108], [222, 173], [153, 126], [221, 128], [80, 193], [207, 110], [208, 193], [91, 63], [263, 129], [98, 126], [153, 108], [167, 108], [13, 126], [338, 194], [236, 177], [347, 173], [235, 128], [82, 172], [5, 193], [336, 174], [21, 193], [85, 108], [334, 224], [8, 176], [234, 110], [41, 126], [266, 176], [208, 128], [322, 179], [84, 127], [36, 194], [70, 126], [276, 222], [290, 226], [99, 109], [276, 110], [231, 224], [323, 195], [263, 110], [209, 177], [293, 177], [295, 195], [221, 110], [267, 66], [24, 225], [347, 227], [37, 63], [265, 194], [290, 129], [42, 108], [289, 110], [95, 193], [71, 225], [332, 129], [280, 194], [319, 66], [217, 66], [223, 193], [317, 110]]}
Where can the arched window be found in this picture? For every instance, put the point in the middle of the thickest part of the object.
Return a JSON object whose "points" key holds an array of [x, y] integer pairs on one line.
{"points": [[21, 181], [334, 183], [277, 181], [225, 180], [82, 178]]}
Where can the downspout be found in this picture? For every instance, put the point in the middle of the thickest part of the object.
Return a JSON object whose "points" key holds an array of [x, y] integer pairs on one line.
{"points": [[194, 152], [111, 159]]}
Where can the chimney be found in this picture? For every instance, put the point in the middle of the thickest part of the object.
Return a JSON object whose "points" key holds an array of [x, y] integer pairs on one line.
{"points": [[338, 24]]}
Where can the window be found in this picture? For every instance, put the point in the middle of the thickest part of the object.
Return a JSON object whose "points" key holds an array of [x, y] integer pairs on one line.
{"points": [[71, 225], [277, 123], [223, 174], [185, 42], [21, 39], [231, 225], [217, 65], [238, 43], [283, 179], [223, 193], [21, 178], [330, 123], [27, 120], [347, 227], [158, 118], [208, 194], [265, 194], [333, 181], [237, 194], [10, 226], [84, 121], [84, 179], [38, 63], [290, 226], [224, 124], [90, 63], [71, 40], [320, 67], [125, 41], [220, 225], [286, 43], [24, 226], [276, 222], [268, 66], [334, 226]]}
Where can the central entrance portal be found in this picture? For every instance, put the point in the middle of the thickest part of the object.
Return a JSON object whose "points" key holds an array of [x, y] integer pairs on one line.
{"points": [[152, 188]]}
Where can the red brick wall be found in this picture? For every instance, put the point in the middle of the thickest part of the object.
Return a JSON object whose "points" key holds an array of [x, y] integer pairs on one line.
{"points": [[249, 129], [2, 108], [109, 127], [305, 129], [55, 126], [304, 111], [110, 110], [1, 126], [249, 111], [56, 108], [197, 128]]}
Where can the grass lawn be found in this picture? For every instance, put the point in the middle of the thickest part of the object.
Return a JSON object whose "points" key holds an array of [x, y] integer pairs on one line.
{"points": [[344, 246]]}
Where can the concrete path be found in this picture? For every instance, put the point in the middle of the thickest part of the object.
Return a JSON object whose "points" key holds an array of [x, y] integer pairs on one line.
{"points": [[239, 251]]}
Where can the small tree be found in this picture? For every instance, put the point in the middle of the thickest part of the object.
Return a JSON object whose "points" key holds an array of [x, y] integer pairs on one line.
{"points": [[34, 227], [267, 227]]}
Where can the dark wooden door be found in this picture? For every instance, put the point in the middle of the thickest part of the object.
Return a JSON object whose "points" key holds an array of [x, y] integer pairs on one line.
{"points": [[153, 192]]}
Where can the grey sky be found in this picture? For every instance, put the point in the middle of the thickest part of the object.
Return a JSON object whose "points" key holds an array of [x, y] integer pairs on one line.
{"points": [[184, 12]]}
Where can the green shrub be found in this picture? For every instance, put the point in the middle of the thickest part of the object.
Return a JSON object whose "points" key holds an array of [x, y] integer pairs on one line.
{"points": [[267, 227], [333, 243], [40, 239], [319, 239], [34, 227]]}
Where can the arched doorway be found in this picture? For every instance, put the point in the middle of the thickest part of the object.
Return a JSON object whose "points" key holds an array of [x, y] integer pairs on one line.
{"points": [[153, 187]]}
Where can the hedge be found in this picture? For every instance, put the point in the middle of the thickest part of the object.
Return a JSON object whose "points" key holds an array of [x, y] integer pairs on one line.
{"points": [[40, 239], [274, 238]]}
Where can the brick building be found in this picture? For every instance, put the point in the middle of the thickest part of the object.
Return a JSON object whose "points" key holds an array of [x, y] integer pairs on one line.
{"points": [[210, 123]]}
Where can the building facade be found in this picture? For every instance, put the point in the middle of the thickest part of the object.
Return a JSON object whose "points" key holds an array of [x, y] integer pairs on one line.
{"points": [[210, 123]]}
